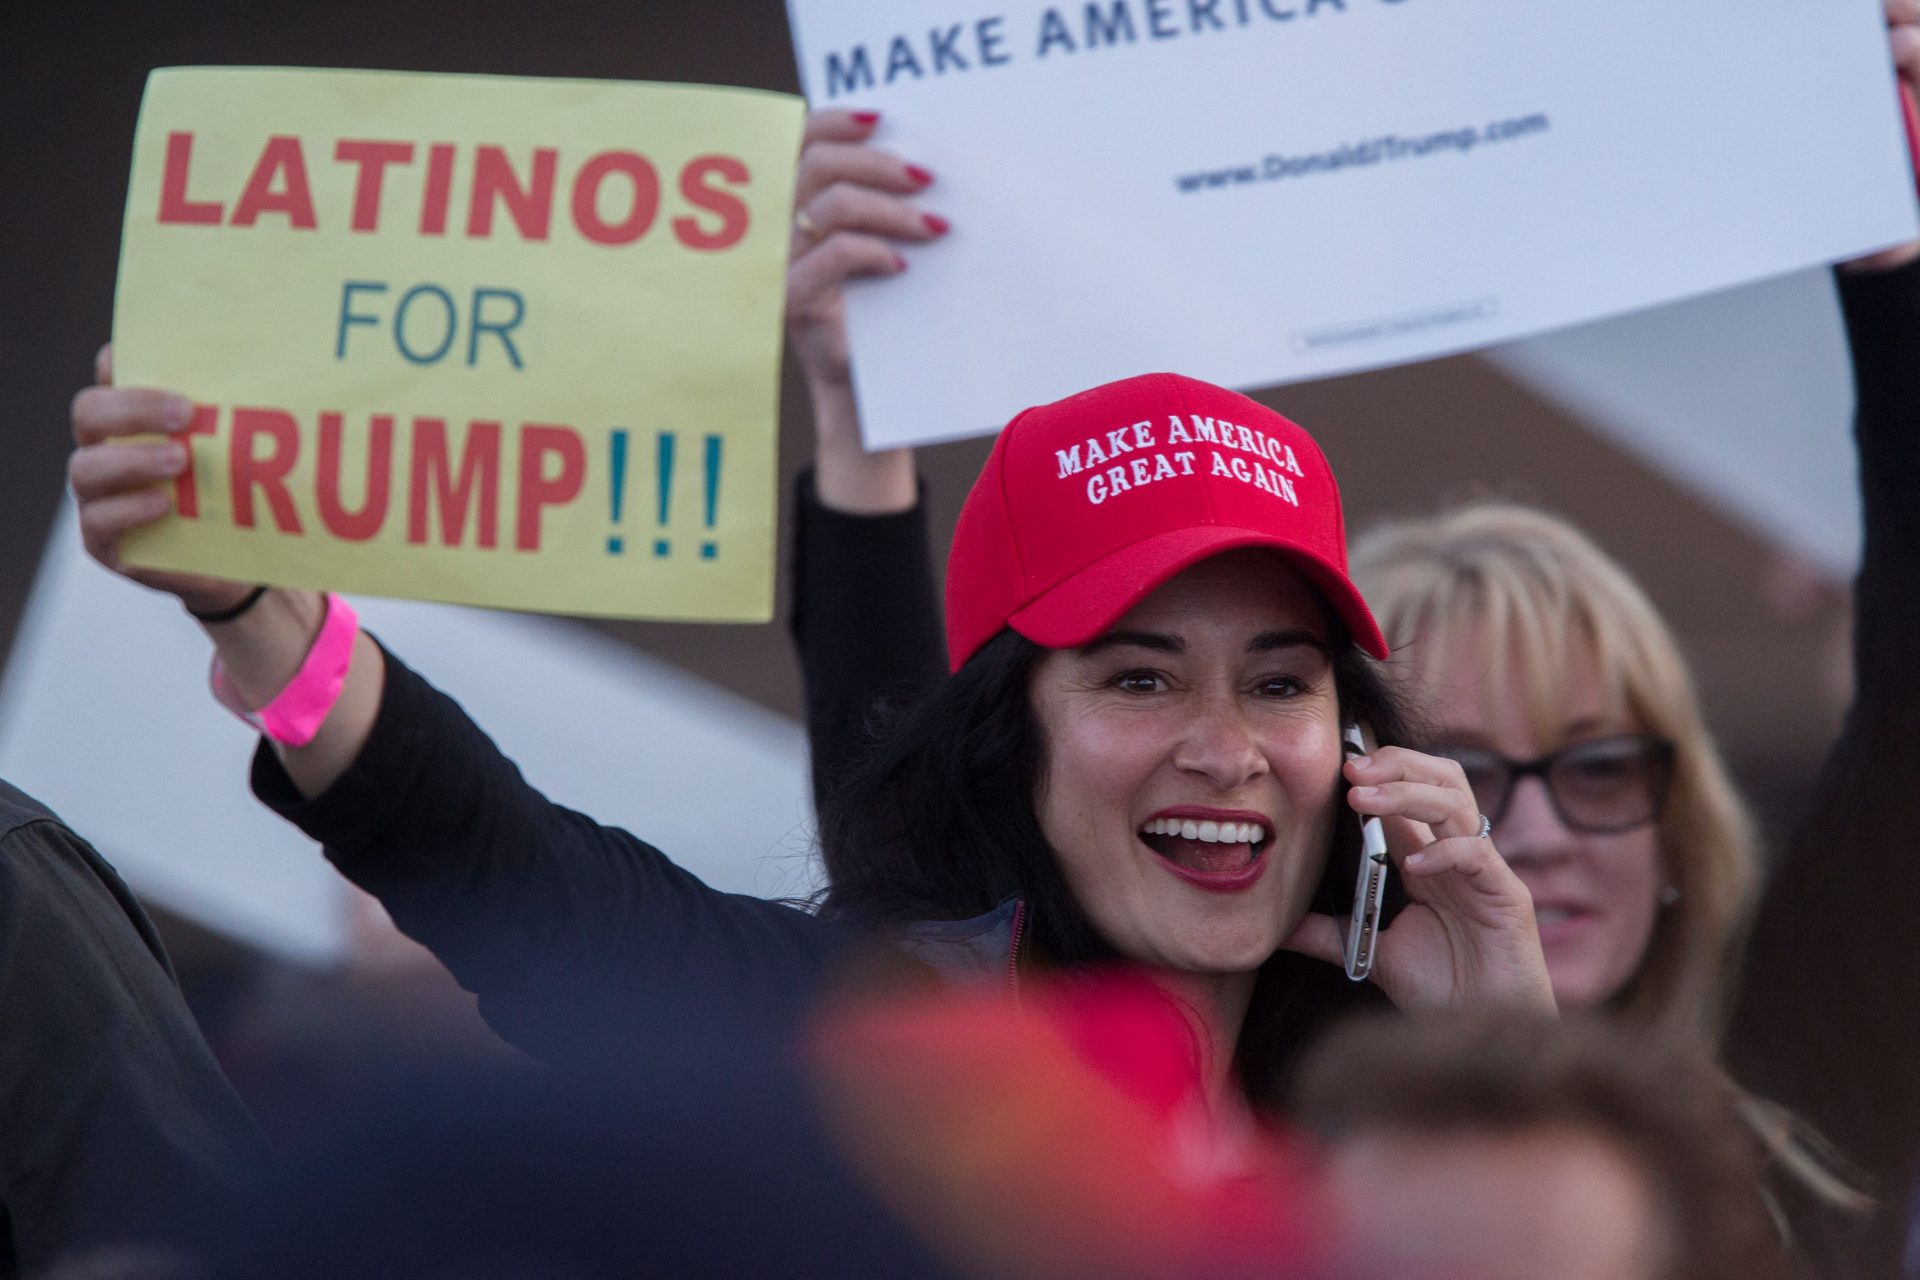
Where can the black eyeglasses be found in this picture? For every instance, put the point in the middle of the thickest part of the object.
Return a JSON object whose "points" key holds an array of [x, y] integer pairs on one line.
{"points": [[1597, 785]]}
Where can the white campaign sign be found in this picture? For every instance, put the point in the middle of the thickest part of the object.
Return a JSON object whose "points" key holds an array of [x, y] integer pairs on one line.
{"points": [[1262, 191]]}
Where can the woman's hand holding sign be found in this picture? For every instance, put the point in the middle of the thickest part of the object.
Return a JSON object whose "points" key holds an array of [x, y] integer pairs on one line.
{"points": [[852, 206], [122, 482], [122, 486], [1468, 935]]}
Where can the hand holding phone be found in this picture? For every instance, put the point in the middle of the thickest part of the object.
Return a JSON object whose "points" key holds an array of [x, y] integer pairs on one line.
{"points": [[1370, 881]]}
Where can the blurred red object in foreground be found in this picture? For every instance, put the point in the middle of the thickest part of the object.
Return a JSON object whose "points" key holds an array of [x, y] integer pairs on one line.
{"points": [[1064, 1136]]}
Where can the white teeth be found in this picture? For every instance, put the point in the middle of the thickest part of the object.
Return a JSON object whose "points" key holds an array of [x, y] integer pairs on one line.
{"points": [[1552, 915], [1209, 832]]}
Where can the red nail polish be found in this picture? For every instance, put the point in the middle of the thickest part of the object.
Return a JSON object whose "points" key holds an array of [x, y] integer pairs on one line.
{"points": [[935, 223], [899, 263], [921, 177], [866, 117]]}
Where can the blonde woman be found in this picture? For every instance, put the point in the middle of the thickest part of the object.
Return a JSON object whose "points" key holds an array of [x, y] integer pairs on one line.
{"points": [[1546, 672]]}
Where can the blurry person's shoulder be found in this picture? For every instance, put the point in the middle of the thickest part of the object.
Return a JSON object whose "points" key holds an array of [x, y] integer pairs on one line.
{"points": [[18, 809], [42, 858], [29, 830]]}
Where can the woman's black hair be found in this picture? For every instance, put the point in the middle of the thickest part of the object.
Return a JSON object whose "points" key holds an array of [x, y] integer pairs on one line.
{"points": [[936, 822]]}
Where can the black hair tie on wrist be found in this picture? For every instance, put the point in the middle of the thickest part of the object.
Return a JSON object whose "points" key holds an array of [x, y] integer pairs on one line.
{"points": [[228, 615]]}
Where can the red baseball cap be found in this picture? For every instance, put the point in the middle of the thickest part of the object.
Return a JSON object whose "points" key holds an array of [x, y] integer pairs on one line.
{"points": [[1088, 504]]}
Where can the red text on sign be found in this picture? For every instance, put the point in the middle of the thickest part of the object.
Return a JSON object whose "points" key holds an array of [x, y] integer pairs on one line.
{"points": [[612, 197], [452, 499]]}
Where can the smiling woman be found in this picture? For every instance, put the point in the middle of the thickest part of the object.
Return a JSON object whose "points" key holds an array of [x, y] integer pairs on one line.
{"points": [[1550, 677], [1208, 715], [1138, 755]]}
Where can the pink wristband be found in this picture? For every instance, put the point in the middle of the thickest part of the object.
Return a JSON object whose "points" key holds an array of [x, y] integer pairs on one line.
{"points": [[297, 711]]}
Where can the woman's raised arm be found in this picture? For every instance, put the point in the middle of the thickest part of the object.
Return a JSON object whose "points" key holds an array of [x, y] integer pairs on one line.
{"points": [[866, 617]]}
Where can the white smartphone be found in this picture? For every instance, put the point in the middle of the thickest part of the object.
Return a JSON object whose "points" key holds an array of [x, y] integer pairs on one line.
{"points": [[1370, 881]]}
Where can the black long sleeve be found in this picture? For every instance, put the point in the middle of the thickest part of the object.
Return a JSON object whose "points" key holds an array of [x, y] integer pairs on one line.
{"points": [[564, 929], [1828, 1018], [866, 620], [114, 1116]]}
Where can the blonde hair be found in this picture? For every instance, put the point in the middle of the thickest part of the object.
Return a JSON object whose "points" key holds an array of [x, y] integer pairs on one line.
{"points": [[1526, 593]]}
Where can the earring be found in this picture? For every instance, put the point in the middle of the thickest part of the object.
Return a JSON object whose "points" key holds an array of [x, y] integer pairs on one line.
{"points": [[1669, 894]]}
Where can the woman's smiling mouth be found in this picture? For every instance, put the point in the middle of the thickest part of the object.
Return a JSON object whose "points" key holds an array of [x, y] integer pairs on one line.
{"points": [[1215, 850]]}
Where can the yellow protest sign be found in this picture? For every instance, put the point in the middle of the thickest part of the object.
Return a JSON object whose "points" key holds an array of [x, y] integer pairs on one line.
{"points": [[483, 339]]}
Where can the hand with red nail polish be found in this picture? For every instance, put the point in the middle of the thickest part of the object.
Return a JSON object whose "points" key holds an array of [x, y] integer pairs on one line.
{"points": [[853, 212]]}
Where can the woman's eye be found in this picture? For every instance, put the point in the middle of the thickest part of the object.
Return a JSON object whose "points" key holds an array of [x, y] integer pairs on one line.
{"points": [[1279, 687], [1601, 769], [1139, 682]]}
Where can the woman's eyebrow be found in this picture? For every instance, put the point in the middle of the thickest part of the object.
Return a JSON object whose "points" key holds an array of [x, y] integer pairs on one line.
{"points": [[1157, 641], [1268, 641]]}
